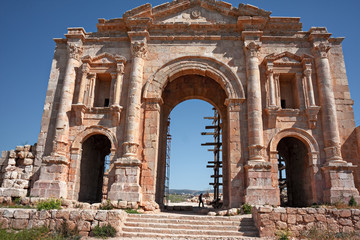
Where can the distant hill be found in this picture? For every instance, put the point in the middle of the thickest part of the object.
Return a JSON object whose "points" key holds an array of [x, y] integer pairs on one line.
{"points": [[188, 191]]}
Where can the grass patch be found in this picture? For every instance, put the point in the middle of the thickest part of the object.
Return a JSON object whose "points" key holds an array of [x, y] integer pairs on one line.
{"points": [[104, 231], [106, 206], [319, 234], [246, 208], [16, 206], [283, 234], [40, 233], [132, 211], [49, 204], [175, 198]]}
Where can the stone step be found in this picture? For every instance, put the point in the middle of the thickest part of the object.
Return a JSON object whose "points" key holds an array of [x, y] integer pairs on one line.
{"points": [[209, 226], [187, 232], [190, 217], [185, 236], [242, 222]]}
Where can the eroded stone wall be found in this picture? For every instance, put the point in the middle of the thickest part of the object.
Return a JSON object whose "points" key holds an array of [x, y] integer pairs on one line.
{"points": [[269, 220], [17, 170], [84, 220]]}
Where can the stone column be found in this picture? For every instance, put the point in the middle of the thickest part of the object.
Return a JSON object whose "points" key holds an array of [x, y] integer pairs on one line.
{"points": [[54, 171], [91, 94], [260, 189], [272, 102], [118, 84], [338, 174], [310, 89], [62, 120], [85, 68], [255, 123], [126, 185], [328, 105], [134, 100]]}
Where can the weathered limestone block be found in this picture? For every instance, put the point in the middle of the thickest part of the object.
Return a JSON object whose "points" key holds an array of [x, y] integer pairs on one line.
{"points": [[101, 215], [22, 214]]}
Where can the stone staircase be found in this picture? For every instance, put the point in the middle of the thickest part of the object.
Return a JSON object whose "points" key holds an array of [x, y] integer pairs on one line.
{"points": [[182, 226]]}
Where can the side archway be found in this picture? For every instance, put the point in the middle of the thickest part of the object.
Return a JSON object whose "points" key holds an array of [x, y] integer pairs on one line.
{"points": [[76, 153], [294, 154], [194, 65]]}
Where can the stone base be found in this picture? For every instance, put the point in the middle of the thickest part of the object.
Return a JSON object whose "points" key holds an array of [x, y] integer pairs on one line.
{"points": [[339, 183], [130, 192], [126, 186], [49, 189], [260, 190]]}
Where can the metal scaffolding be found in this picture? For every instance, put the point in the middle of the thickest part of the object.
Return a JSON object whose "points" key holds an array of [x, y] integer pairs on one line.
{"points": [[216, 164], [167, 174]]}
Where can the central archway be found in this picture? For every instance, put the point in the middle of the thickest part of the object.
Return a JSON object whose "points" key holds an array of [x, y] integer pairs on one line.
{"points": [[193, 77], [181, 89]]}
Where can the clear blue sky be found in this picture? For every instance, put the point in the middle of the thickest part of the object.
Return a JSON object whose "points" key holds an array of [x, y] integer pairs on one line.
{"points": [[26, 51]]}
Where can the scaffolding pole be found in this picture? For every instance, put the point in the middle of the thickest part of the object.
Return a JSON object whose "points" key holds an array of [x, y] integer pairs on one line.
{"points": [[168, 150], [216, 164]]}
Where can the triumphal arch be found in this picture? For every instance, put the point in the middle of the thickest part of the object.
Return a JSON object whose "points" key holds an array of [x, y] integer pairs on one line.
{"points": [[282, 94]]}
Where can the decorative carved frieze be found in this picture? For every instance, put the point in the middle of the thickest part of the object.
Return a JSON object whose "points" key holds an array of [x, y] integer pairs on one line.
{"points": [[139, 49]]}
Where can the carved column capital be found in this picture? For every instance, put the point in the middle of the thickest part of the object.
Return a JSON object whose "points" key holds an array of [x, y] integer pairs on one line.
{"points": [[139, 49], [321, 49], [307, 72], [252, 48], [75, 51], [120, 68], [85, 68]]}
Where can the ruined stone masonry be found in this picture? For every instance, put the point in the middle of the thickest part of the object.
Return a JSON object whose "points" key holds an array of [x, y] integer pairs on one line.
{"points": [[289, 135]]}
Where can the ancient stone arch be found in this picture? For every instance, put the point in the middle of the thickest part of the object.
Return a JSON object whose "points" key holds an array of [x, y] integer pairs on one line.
{"points": [[199, 65], [76, 153], [313, 154]]}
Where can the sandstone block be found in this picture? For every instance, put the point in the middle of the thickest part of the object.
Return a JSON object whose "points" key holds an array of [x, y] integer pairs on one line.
{"points": [[291, 219], [88, 215], [84, 226], [345, 213], [18, 224], [308, 218]]}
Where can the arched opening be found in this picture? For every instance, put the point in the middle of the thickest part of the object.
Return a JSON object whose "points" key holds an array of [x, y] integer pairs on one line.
{"points": [[177, 91], [92, 167], [293, 170]]}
